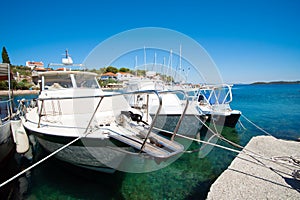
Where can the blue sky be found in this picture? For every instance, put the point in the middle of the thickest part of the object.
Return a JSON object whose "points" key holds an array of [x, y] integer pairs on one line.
{"points": [[249, 40]]}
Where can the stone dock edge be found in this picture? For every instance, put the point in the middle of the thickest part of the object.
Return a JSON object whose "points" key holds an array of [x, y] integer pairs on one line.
{"points": [[19, 92], [257, 178]]}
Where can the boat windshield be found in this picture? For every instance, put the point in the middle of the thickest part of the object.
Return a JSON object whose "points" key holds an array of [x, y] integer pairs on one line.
{"points": [[57, 81], [86, 81], [61, 81]]}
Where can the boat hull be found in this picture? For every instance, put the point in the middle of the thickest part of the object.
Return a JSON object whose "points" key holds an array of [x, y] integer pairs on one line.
{"points": [[7, 144], [224, 120], [87, 152], [103, 155]]}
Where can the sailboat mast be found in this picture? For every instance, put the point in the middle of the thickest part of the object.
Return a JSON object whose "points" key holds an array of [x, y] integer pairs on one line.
{"points": [[135, 66], [145, 59], [180, 58], [154, 61]]}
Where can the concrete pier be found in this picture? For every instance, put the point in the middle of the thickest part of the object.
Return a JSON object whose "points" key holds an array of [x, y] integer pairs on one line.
{"points": [[249, 178]]}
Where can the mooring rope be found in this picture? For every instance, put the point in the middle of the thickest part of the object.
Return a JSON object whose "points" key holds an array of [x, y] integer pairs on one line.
{"points": [[253, 154], [261, 129], [40, 161], [241, 124]]}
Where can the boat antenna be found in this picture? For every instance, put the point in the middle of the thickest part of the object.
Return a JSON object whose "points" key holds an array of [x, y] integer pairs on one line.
{"points": [[67, 55]]}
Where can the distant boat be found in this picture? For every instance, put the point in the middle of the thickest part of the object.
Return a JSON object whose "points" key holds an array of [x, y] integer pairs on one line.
{"points": [[12, 133], [172, 105], [213, 101]]}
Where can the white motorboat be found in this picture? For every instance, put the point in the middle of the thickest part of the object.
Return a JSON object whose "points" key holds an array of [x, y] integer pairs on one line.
{"points": [[213, 101], [12, 133], [6, 142], [110, 133], [171, 106]]}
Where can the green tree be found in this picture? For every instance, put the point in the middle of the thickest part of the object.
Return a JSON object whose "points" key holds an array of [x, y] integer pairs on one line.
{"points": [[112, 69], [123, 69], [5, 58]]}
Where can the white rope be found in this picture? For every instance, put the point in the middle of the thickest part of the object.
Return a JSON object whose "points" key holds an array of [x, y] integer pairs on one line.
{"points": [[219, 135], [261, 129], [199, 140], [245, 151], [240, 123], [212, 144], [40, 161]]}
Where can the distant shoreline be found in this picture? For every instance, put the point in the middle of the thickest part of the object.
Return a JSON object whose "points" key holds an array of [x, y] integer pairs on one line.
{"points": [[275, 82], [18, 92]]}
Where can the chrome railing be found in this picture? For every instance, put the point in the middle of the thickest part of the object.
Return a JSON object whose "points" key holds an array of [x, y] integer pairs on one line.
{"points": [[102, 96], [6, 109]]}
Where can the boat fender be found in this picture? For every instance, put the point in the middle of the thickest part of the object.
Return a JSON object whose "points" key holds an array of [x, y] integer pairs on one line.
{"points": [[19, 136]]}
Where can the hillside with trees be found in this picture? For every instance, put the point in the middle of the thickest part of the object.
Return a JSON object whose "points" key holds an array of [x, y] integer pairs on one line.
{"points": [[24, 72]]}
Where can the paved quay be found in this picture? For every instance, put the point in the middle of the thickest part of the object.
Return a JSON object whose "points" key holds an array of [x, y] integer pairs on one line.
{"points": [[18, 92], [249, 178]]}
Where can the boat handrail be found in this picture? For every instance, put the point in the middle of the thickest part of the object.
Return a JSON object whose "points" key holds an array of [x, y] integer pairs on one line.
{"points": [[5, 101], [9, 109], [184, 110], [102, 96]]}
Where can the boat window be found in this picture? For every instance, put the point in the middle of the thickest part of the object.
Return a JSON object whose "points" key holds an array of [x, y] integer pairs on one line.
{"points": [[58, 81], [86, 81]]}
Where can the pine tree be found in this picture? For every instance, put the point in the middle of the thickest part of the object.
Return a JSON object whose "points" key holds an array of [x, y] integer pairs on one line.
{"points": [[5, 58]]}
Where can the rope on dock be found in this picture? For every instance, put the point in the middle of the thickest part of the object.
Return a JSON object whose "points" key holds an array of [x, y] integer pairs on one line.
{"points": [[40, 161]]}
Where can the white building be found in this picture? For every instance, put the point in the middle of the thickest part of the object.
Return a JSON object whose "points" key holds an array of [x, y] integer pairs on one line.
{"points": [[33, 64], [123, 76]]}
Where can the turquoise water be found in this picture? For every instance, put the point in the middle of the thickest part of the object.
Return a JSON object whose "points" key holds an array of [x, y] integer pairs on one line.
{"points": [[276, 108]]}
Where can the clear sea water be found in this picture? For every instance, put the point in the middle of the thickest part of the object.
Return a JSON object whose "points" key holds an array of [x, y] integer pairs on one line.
{"points": [[276, 108]]}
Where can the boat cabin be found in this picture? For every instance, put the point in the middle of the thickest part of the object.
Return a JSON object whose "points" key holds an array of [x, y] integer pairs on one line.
{"points": [[55, 80]]}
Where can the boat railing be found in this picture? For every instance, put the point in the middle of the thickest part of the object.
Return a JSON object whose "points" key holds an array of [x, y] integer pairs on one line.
{"points": [[6, 110], [102, 96], [216, 95], [186, 97]]}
